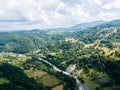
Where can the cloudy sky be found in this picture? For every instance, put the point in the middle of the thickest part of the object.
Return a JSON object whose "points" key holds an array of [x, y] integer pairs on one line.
{"points": [[30, 14]]}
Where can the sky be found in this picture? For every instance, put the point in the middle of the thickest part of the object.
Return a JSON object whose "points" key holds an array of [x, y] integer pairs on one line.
{"points": [[44, 14]]}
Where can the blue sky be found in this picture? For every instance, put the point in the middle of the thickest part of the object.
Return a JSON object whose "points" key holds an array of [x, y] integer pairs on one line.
{"points": [[30, 14]]}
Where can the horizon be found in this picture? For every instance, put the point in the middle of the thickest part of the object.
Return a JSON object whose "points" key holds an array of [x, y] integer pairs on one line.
{"points": [[53, 27], [67, 27], [39, 14]]}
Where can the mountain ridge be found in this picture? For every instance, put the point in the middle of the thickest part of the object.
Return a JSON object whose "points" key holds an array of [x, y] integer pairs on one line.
{"points": [[76, 27]]}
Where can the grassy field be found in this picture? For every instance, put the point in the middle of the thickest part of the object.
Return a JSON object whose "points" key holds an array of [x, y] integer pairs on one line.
{"points": [[91, 84], [34, 74], [49, 80], [59, 87], [3, 81]]}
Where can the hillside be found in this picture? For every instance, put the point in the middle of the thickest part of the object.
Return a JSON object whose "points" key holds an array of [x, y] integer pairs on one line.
{"points": [[94, 51], [18, 41]]}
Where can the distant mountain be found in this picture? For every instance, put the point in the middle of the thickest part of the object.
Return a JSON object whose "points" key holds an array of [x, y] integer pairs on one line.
{"points": [[27, 31], [77, 27], [86, 25], [83, 26]]}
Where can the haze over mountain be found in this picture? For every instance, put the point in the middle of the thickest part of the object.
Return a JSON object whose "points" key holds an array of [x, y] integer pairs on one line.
{"points": [[81, 26]]}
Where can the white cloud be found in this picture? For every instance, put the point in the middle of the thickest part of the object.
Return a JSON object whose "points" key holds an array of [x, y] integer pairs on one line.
{"points": [[98, 2], [115, 4], [29, 14], [107, 15]]}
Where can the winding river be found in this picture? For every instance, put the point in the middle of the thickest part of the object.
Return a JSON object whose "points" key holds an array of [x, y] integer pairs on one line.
{"points": [[78, 82]]}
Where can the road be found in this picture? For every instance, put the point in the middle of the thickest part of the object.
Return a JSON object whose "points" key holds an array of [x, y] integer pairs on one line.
{"points": [[79, 84]]}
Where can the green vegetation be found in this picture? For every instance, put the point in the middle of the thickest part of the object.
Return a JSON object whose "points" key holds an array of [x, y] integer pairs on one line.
{"points": [[94, 50], [92, 85], [49, 80], [16, 79], [27, 70], [3, 81]]}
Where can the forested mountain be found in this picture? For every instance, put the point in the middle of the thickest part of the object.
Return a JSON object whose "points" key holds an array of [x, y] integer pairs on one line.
{"points": [[95, 51], [22, 41]]}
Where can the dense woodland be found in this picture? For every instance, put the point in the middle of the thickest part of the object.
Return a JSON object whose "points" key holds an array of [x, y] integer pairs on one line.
{"points": [[95, 50]]}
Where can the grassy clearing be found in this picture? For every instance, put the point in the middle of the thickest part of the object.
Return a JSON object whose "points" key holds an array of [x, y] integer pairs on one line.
{"points": [[34, 74], [115, 58], [71, 40], [88, 45], [106, 50], [49, 80], [59, 87], [91, 84], [116, 43], [3, 81], [55, 53]]}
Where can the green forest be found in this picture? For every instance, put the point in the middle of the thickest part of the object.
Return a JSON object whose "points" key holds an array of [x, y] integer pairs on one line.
{"points": [[95, 51]]}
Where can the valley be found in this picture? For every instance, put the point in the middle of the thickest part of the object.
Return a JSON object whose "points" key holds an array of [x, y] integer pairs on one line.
{"points": [[88, 58]]}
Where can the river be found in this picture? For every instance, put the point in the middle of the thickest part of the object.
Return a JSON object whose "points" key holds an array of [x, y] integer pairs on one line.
{"points": [[78, 82]]}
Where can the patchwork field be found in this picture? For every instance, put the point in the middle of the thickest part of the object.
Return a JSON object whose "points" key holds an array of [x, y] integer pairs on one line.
{"points": [[35, 74], [49, 80]]}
